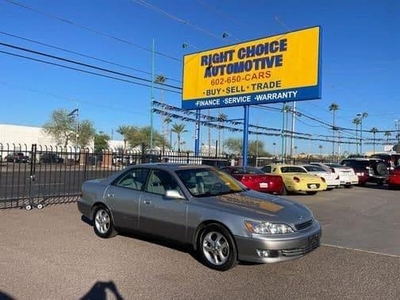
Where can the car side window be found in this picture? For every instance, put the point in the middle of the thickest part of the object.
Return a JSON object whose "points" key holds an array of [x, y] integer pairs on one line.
{"points": [[134, 179], [160, 181]]}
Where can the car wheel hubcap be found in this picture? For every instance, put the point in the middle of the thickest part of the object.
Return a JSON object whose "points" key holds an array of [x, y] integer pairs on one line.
{"points": [[216, 248], [102, 221]]}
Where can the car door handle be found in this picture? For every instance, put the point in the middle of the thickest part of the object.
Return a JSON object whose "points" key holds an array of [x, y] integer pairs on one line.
{"points": [[147, 202], [110, 195]]}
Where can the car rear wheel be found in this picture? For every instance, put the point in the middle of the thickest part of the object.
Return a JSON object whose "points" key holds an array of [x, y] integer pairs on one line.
{"points": [[103, 224], [217, 248]]}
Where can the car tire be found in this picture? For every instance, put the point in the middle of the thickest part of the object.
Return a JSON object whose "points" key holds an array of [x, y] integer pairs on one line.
{"points": [[216, 248], [103, 223]]}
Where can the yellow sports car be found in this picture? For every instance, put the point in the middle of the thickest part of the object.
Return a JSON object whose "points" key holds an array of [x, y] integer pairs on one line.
{"points": [[296, 179]]}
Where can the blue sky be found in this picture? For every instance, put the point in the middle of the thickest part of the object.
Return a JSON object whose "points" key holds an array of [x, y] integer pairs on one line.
{"points": [[360, 61]]}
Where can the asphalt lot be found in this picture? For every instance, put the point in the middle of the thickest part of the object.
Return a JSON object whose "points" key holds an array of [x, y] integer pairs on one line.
{"points": [[53, 254]]}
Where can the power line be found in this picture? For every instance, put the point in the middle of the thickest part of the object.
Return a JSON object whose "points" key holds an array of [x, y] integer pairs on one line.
{"points": [[81, 64], [90, 29], [175, 18], [83, 71], [80, 54]]}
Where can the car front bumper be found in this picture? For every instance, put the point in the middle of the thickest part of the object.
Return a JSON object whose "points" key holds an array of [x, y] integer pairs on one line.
{"points": [[272, 249]]}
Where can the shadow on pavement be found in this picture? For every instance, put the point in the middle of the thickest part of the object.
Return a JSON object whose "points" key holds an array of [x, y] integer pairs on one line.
{"points": [[99, 291], [4, 296]]}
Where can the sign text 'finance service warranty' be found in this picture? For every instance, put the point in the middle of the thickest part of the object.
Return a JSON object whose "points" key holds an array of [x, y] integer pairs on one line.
{"points": [[275, 69]]}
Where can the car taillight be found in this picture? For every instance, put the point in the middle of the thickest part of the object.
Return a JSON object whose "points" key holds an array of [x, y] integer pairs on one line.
{"points": [[337, 177], [323, 179], [296, 179]]}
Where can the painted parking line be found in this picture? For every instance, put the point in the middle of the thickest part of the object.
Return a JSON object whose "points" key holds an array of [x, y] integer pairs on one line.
{"points": [[360, 250]]}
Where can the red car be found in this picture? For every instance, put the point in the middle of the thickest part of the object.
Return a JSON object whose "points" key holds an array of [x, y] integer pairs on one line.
{"points": [[393, 179], [256, 179]]}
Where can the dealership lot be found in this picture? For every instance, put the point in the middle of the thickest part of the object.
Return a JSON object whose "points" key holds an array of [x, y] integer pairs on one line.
{"points": [[54, 254]]}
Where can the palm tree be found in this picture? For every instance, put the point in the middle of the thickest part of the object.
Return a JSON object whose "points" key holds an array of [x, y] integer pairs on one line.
{"points": [[179, 129], [167, 121], [374, 130], [361, 116], [357, 122], [333, 108], [124, 131], [320, 151]]}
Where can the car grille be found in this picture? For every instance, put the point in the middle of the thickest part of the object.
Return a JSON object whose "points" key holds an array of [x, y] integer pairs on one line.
{"points": [[314, 243], [311, 184], [304, 225]]}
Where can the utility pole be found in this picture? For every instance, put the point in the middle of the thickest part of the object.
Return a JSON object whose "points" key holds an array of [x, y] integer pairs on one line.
{"points": [[292, 133]]}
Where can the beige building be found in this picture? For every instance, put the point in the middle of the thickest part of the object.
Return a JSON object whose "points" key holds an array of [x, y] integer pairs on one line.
{"points": [[21, 138]]}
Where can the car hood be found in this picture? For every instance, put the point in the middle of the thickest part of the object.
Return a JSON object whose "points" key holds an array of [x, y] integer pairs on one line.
{"points": [[255, 205]]}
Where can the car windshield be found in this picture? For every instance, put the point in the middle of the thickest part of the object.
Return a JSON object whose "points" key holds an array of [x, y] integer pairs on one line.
{"points": [[208, 182], [293, 169], [314, 169]]}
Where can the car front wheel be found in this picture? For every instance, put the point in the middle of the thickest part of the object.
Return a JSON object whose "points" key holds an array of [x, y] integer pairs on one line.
{"points": [[103, 224], [217, 248]]}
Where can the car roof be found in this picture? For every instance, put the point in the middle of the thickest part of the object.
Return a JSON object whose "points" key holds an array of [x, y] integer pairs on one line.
{"points": [[172, 166]]}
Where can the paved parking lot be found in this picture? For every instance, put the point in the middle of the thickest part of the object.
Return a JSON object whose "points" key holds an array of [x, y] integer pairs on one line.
{"points": [[53, 254]]}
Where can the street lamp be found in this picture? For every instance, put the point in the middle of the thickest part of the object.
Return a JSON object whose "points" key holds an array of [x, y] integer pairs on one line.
{"points": [[361, 116], [75, 114]]}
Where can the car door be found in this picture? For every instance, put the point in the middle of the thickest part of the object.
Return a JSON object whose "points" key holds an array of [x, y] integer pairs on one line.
{"points": [[123, 197], [160, 215]]}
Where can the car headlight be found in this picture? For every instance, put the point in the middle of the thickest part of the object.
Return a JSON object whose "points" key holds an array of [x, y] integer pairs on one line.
{"points": [[267, 227]]}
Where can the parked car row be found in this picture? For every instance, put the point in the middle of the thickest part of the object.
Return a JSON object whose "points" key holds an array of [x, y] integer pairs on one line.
{"points": [[282, 179], [45, 158]]}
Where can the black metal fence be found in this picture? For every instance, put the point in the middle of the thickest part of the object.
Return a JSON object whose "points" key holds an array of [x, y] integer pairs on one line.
{"points": [[39, 175]]}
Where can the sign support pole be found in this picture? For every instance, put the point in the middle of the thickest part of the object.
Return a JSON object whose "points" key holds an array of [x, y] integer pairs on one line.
{"points": [[197, 134], [245, 134]]}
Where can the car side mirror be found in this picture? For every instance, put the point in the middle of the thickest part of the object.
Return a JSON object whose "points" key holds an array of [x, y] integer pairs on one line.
{"points": [[173, 194]]}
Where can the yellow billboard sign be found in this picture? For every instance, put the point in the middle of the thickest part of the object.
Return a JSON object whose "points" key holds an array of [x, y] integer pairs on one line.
{"points": [[274, 69]]}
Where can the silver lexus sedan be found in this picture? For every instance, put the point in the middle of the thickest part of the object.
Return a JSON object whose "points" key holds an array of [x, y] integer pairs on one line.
{"points": [[197, 205]]}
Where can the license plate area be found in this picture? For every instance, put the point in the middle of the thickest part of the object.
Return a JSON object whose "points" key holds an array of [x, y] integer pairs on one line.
{"points": [[313, 239]]}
